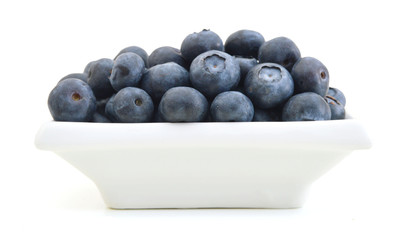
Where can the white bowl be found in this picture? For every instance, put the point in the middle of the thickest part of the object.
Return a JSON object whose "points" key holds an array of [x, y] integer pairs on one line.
{"points": [[203, 165]]}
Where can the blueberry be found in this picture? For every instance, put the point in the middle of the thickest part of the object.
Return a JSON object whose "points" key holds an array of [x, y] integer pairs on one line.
{"points": [[128, 68], [132, 105], [244, 43], [88, 66], [197, 43], [232, 106], [166, 54], [158, 79], [214, 72], [137, 50], [306, 106], [99, 118], [267, 115], [337, 108], [101, 105], [337, 94], [109, 109], [239, 89], [183, 104], [72, 100], [82, 76], [268, 85], [98, 78], [310, 75], [279, 50], [157, 116], [245, 66], [208, 118]]}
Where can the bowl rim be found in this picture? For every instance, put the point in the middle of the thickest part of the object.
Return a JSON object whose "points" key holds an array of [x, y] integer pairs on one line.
{"points": [[345, 134]]}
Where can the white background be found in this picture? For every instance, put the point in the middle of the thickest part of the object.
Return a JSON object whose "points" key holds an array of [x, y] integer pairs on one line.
{"points": [[364, 44]]}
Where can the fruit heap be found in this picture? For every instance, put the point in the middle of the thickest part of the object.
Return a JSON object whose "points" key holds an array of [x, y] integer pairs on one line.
{"points": [[245, 79]]}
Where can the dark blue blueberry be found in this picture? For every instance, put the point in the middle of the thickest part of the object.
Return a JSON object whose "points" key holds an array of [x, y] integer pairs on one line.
{"points": [[239, 89], [337, 109], [167, 54], [98, 78], [279, 50], [157, 116], [310, 75], [137, 50], [197, 43], [337, 94], [87, 68], [214, 72], [128, 68], [306, 106], [109, 109], [158, 79], [232, 106], [245, 66], [208, 118], [267, 115], [183, 104], [244, 43], [101, 105], [268, 85], [99, 118], [82, 76], [132, 105], [72, 100]]}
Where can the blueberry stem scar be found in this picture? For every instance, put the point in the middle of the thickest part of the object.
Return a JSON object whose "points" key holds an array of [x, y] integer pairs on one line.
{"points": [[138, 102], [75, 96]]}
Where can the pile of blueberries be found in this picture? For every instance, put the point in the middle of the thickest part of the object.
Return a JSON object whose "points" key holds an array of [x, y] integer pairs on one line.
{"points": [[244, 79]]}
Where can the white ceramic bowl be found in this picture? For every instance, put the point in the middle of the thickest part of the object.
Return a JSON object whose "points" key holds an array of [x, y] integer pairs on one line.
{"points": [[203, 165]]}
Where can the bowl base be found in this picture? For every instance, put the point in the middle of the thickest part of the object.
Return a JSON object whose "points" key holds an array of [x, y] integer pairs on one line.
{"points": [[283, 197]]}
